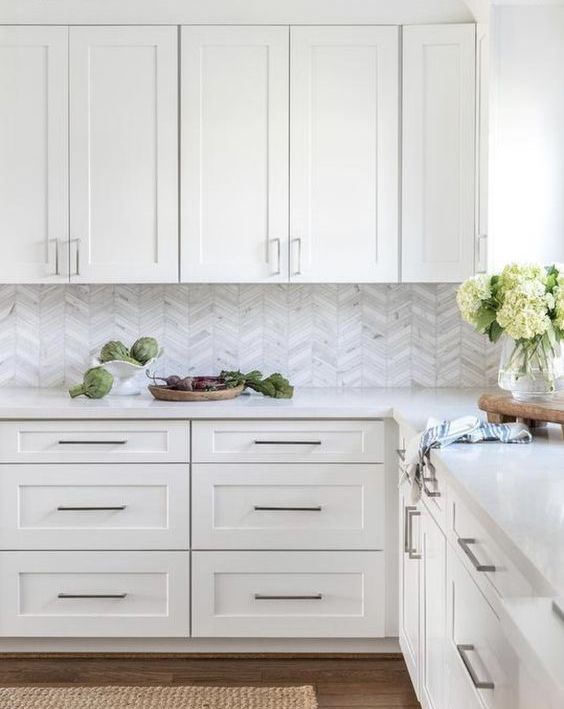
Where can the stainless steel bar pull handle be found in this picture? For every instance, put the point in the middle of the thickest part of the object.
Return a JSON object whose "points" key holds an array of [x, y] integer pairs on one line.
{"points": [[115, 508], [410, 513], [269, 597], [298, 270], [77, 258], [465, 544], [463, 651], [91, 443], [119, 596], [287, 443], [261, 508], [278, 264], [57, 266]]}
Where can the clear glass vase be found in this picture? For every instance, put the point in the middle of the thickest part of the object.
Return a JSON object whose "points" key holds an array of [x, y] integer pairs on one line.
{"points": [[531, 369]]}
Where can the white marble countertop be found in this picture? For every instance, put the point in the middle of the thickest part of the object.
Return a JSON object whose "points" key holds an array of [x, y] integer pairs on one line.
{"points": [[517, 491], [410, 406]]}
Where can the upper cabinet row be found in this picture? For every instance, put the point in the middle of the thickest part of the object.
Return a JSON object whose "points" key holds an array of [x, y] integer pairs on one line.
{"points": [[288, 154]]}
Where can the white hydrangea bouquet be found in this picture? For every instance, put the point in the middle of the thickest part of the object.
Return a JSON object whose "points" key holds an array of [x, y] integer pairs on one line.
{"points": [[526, 304]]}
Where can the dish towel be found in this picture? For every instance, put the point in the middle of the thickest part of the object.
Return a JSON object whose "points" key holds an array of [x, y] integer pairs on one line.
{"points": [[439, 434]]}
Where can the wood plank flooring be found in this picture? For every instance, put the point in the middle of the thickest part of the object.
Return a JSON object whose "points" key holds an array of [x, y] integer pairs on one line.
{"points": [[348, 682]]}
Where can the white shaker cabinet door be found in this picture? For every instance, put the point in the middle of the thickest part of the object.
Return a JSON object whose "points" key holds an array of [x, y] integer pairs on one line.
{"points": [[124, 154], [33, 154], [234, 154], [438, 153], [344, 154]]}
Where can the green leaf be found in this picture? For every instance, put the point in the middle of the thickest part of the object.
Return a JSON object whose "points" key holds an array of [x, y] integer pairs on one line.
{"points": [[495, 331], [486, 317]]}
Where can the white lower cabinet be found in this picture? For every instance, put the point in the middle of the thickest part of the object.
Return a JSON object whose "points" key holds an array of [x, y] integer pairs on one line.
{"points": [[410, 582], [276, 506], [288, 594], [94, 594], [112, 506], [477, 644], [433, 613]]}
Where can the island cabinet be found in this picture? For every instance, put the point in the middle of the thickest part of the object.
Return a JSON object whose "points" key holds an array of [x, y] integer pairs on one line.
{"points": [[455, 582], [171, 529]]}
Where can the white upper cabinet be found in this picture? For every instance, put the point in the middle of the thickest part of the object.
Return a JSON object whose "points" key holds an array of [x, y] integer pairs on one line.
{"points": [[123, 154], [344, 154], [33, 153], [438, 153], [234, 154]]}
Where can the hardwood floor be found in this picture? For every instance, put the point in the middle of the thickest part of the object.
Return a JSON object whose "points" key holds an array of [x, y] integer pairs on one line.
{"points": [[348, 682]]}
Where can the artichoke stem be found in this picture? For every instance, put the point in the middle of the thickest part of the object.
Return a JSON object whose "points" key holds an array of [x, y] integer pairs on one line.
{"points": [[76, 390]]}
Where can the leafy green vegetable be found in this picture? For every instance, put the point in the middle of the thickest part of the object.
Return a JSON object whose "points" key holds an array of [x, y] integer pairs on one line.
{"points": [[275, 386], [144, 349], [96, 384]]}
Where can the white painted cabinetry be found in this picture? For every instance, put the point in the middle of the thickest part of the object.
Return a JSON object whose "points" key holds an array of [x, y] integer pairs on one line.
{"points": [[433, 613], [344, 154], [33, 154], [123, 154], [234, 201], [410, 583], [287, 520], [438, 152]]}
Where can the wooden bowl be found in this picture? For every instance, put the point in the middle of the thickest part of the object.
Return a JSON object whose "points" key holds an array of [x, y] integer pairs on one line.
{"points": [[163, 393]]}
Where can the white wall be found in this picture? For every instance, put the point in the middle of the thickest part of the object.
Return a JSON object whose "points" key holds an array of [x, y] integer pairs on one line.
{"points": [[527, 141], [234, 11]]}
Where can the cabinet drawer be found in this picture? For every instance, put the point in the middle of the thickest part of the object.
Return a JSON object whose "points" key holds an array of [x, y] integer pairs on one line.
{"points": [[258, 506], [483, 557], [288, 441], [288, 594], [112, 506], [94, 442], [94, 594], [476, 644]]}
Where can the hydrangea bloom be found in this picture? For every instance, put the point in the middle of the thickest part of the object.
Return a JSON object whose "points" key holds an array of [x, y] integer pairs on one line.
{"points": [[559, 304], [514, 275], [524, 311], [471, 295]]}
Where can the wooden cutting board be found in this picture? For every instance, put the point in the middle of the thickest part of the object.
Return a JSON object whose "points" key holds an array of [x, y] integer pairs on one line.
{"points": [[502, 408]]}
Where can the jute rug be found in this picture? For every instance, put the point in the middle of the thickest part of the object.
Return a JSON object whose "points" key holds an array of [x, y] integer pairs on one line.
{"points": [[158, 698]]}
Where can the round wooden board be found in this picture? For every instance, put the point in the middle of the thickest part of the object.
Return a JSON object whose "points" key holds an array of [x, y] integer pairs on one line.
{"points": [[166, 394]]}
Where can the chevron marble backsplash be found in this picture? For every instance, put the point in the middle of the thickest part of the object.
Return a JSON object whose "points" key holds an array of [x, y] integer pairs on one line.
{"points": [[318, 335]]}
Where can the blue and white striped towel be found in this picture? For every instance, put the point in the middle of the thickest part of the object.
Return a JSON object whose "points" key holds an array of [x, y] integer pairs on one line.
{"points": [[467, 429]]}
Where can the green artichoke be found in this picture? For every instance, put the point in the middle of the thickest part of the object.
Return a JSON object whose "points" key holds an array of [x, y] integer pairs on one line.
{"points": [[96, 384], [144, 349], [114, 350]]}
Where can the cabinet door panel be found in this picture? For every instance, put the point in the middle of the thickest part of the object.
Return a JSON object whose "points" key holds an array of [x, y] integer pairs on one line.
{"points": [[234, 154], [410, 583], [123, 154], [433, 625], [344, 154], [438, 153], [33, 153]]}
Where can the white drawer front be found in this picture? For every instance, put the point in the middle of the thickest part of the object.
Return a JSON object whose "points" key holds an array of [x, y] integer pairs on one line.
{"points": [[111, 506], [483, 556], [94, 442], [94, 594], [258, 506], [288, 594], [477, 643], [288, 441]]}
